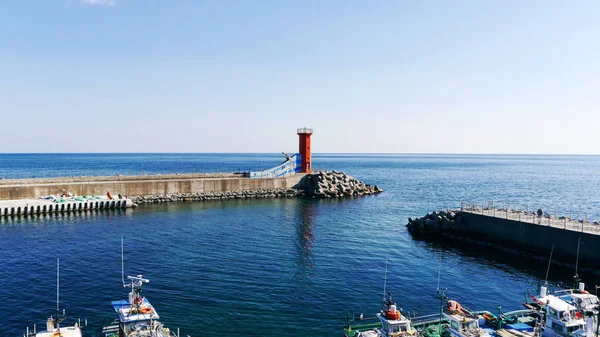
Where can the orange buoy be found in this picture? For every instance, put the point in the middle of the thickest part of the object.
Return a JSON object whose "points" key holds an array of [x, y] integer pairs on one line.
{"points": [[392, 314]]}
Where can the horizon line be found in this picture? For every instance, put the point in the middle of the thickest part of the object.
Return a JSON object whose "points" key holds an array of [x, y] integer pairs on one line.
{"points": [[325, 153]]}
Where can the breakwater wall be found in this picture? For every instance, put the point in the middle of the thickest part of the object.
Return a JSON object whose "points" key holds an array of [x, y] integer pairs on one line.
{"points": [[155, 185], [516, 230], [22, 197]]}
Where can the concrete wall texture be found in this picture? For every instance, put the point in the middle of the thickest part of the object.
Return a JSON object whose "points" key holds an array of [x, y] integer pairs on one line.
{"points": [[533, 235], [152, 185]]}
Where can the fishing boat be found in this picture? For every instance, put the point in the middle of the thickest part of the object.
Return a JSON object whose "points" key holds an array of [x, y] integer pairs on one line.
{"points": [[136, 316], [460, 321], [463, 322], [53, 328], [567, 312], [391, 323], [562, 319]]}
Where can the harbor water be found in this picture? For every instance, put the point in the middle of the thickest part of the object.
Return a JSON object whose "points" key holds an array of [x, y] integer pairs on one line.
{"points": [[281, 267]]}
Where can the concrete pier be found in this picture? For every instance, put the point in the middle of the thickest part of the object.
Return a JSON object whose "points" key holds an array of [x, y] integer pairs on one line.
{"points": [[515, 230], [25, 207]]}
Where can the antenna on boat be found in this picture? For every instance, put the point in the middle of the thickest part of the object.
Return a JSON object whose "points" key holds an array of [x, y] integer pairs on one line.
{"points": [[548, 269], [58, 295], [57, 285], [385, 278], [122, 264]]}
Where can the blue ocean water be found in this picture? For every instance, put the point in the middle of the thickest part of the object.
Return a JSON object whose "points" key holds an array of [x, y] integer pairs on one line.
{"points": [[282, 267]]}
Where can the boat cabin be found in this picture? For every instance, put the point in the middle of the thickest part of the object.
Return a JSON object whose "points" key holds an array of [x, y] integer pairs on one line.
{"points": [[395, 326], [464, 325], [562, 318], [53, 330]]}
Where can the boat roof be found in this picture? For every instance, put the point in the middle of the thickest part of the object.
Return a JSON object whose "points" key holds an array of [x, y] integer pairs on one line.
{"points": [[123, 308], [556, 303], [69, 331], [460, 317], [579, 295]]}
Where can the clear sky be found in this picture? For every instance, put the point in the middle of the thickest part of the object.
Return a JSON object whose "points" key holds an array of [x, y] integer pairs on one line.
{"points": [[241, 76]]}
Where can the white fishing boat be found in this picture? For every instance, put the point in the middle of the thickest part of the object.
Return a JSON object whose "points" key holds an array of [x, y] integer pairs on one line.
{"points": [[467, 323], [53, 328], [562, 318], [136, 316], [462, 322], [392, 324]]}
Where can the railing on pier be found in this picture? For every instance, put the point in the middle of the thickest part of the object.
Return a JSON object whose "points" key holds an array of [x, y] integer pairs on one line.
{"points": [[546, 219]]}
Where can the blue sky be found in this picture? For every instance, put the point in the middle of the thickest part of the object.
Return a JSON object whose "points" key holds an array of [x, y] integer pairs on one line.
{"points": [[241, 76]]}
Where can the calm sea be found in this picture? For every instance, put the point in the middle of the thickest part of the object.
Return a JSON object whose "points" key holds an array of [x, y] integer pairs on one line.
{"points": [[280, 267]]}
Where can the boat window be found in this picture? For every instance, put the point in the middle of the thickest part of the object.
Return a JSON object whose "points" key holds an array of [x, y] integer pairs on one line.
{"points": [[573, 328], [594, 300], [470, 325], [552, 312], [557, 327], [588, 301], [454, 325], [398, 328]]}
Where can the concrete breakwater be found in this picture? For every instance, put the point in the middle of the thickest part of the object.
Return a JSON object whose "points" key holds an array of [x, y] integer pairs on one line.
{"points": [[146, 185], [315, 185], [22, 197], [514, 231]]}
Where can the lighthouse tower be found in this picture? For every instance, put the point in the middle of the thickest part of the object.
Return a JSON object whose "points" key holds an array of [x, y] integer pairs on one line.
{"points": [[304, 150]]}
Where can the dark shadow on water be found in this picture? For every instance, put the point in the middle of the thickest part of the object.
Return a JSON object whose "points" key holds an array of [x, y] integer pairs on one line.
{"points": [[519, 261]]}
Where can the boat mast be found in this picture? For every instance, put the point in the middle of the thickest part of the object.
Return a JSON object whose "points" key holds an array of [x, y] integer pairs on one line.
{"points": [[441, 295], [385, 278]]}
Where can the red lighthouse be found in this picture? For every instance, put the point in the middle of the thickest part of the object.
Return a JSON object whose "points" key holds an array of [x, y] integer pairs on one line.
{"points": [[304, 150]]}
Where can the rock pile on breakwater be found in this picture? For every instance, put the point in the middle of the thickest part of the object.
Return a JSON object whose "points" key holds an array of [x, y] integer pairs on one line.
{"points": [[323, 184], [336, 184], [434, 222], [250, 194]]}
